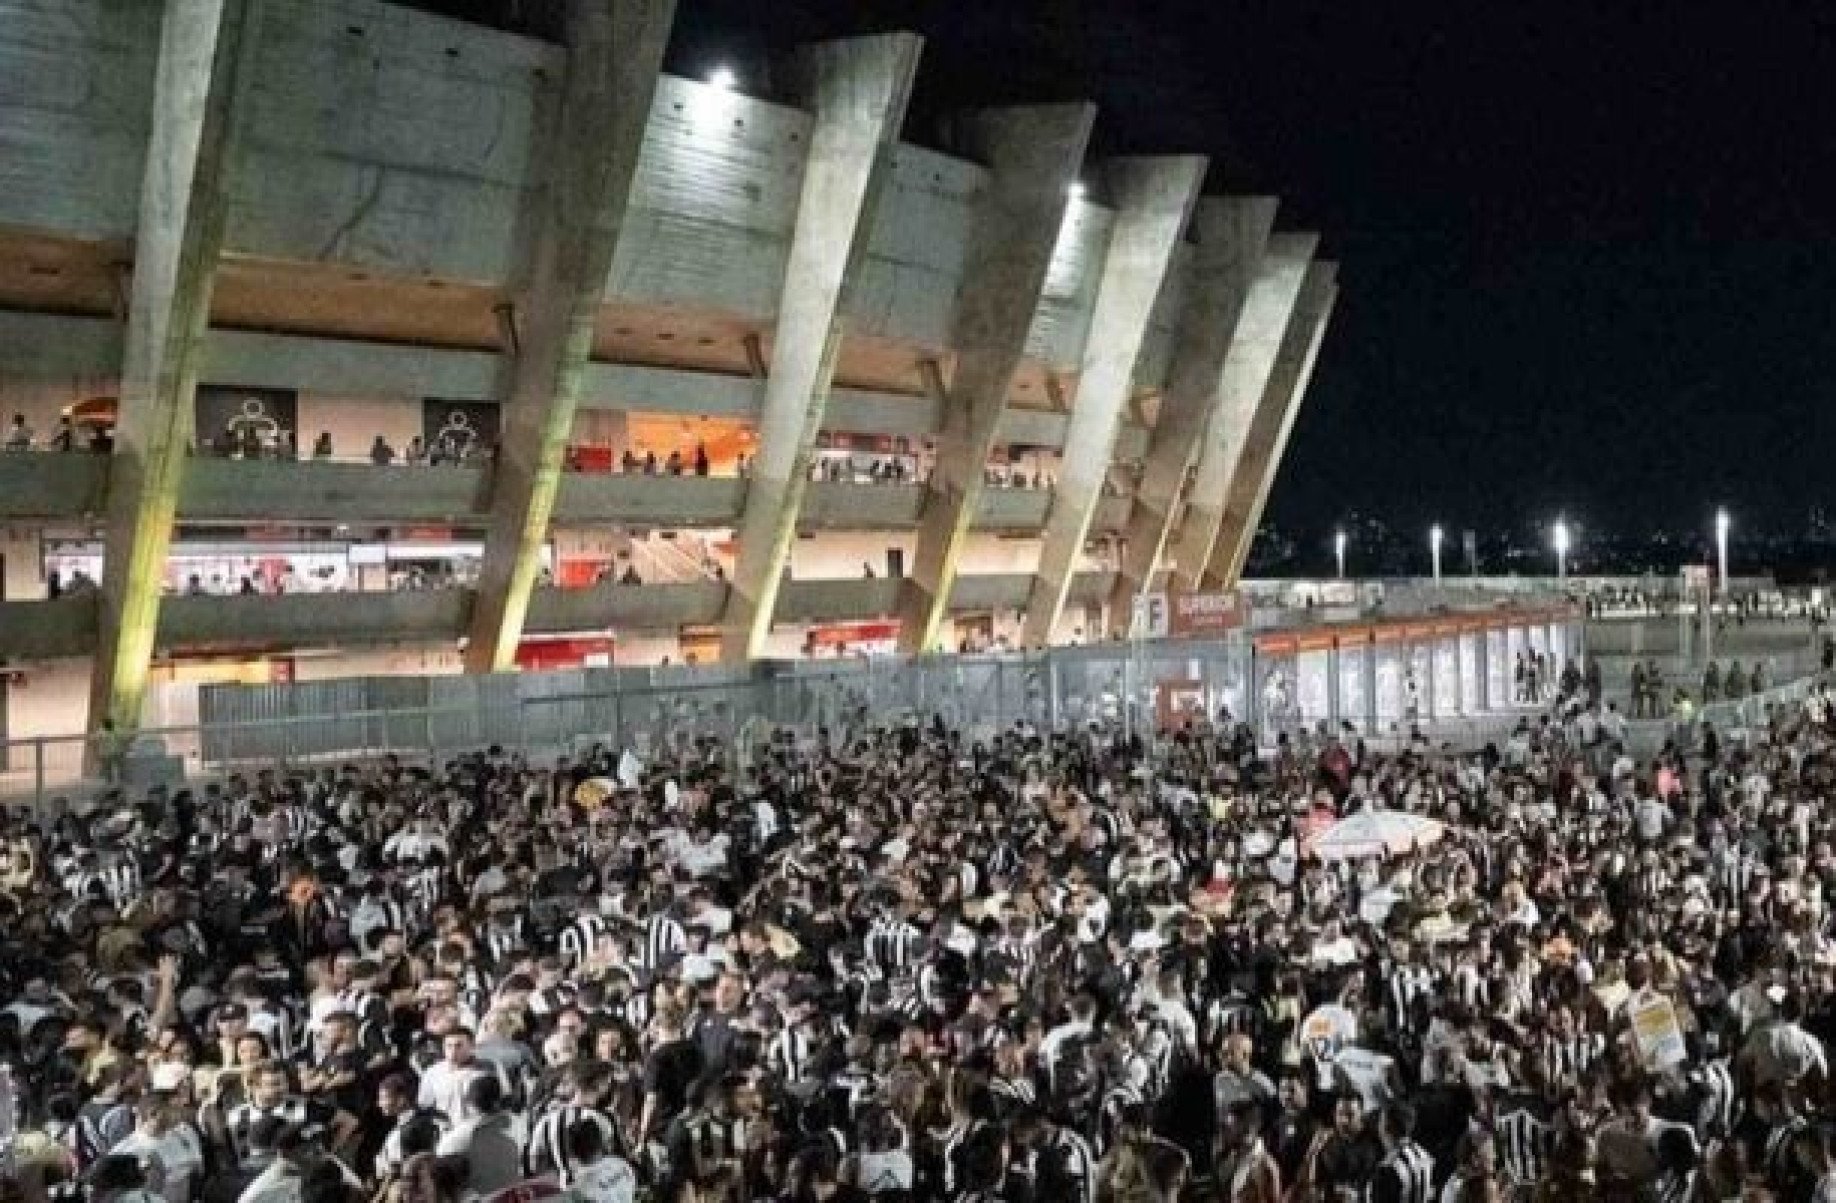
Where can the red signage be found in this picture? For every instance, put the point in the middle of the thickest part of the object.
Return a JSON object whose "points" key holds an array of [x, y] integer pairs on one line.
{"points": [[555, 653], [1204, 613], [847, 636]]}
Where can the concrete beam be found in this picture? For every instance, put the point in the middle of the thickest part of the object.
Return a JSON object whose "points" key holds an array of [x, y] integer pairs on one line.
{"points": [[615, 52], [1154, 198], [1034, 155], [199, 85], [1230, 234], [1252, 356], [1268, 436], [858, 90]]}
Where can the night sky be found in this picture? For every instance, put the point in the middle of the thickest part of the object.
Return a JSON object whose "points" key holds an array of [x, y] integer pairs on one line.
{"points": [[1589, 250]]}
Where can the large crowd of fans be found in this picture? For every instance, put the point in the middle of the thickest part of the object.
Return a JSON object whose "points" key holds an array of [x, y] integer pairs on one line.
{"points": [[905, 963]]}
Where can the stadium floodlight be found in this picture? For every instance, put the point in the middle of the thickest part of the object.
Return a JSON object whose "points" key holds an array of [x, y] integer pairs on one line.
{"points": [[1722, 525]]}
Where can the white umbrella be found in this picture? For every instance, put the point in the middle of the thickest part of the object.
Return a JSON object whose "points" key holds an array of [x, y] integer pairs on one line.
{"points": [[1374, 833]]}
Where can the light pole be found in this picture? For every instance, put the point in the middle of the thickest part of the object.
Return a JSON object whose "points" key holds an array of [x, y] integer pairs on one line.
{"points": [[1434, 547], [1338, 551], [1561, 550], [1722, 523]]}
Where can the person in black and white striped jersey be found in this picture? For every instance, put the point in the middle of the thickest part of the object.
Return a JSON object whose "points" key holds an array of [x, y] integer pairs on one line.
{"points": [[1409, 984], [1058, 1162], [395, 1102], [892, 944], [1406, 1172], [586, 937], [588, 1085], [1523, 1138], [270, 1098], [665, 938]]}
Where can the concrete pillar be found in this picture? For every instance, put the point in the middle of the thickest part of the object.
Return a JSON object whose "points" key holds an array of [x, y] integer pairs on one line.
{"points": [[1230, 234], [1034, 155], [1251, 359], [615, 51], [1274, 421], [205, 53], [1154, 198], [858, 90]]}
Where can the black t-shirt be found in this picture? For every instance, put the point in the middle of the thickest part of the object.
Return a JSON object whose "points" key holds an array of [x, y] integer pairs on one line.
{"points": [[668, 1073], [1347, 1162], [1289, 1138], [351, 1097], [714, 1037]]}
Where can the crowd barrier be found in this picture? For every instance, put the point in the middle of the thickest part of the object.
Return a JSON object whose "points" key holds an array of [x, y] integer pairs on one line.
{"points": [[1380, 683]]}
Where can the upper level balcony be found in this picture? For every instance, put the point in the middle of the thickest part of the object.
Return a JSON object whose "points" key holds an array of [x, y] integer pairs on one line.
{"points": [[49, 486], [66, 627]]}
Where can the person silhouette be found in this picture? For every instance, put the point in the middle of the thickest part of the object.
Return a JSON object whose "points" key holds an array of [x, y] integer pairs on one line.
{"points": [[252, 427], [455, 441]]}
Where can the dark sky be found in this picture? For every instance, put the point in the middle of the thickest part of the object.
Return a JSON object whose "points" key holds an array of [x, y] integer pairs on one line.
{"points": [[1589, 249]]}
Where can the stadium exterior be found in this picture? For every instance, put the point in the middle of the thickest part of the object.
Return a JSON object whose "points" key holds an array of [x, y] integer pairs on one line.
{"points": [[339, 216]]}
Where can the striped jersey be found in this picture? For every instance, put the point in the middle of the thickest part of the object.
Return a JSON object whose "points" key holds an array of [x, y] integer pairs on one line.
{"points": [[664, 939], [545, 1151], [893, 944], [1074, 1167], [1405, 1176], [1523, 1143], [584, 937]]}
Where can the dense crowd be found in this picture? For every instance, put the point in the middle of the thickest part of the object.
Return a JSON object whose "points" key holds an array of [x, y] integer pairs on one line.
{"points": [[906, 964]]}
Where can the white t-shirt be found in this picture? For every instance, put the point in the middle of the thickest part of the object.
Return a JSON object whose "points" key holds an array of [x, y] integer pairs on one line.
{"points": [[877, 1173], [443, 1087], [1653, 816], [1367, 1072], [413, 845], [608, 1180], [179, 1154]]}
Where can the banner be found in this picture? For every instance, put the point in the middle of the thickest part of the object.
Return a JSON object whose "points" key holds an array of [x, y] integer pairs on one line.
{"points": [[1202, 614], [238, 421], [1659, 1034], [458, 431]]}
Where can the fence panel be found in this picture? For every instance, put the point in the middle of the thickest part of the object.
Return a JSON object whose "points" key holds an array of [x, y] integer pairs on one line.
{"points": [[1137, 684]]}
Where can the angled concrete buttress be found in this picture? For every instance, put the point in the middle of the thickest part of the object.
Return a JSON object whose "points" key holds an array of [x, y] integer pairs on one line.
{"points": [[615, 51], [1153, 198], [206, 49], [1034, 154], [1268, 438], [1230, 234], [1253, 351], [858, 90]]}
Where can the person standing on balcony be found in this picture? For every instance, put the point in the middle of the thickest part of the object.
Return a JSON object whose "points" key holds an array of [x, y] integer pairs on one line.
{"points": [[701, 459], [111, 751], [19, 435], [381, 454], [322, 447]]}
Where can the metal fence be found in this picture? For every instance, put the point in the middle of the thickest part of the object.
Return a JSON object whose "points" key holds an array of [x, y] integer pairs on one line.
{"points": [[1136, 685]]}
